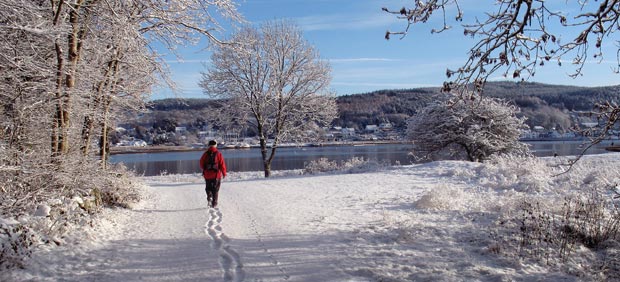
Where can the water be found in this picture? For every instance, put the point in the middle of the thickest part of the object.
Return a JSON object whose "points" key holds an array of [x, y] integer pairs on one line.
{"points": [[567, 148], [297, 157]]}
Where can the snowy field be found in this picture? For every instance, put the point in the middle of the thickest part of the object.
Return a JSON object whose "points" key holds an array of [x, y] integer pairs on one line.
{"points": [[440, 221]]}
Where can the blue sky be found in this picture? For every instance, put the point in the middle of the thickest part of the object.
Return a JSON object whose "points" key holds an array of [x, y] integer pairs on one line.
{"points": [[350, 35]]}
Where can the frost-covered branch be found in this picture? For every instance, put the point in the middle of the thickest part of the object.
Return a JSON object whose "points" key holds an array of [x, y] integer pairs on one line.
{"points": [[519, 36]]}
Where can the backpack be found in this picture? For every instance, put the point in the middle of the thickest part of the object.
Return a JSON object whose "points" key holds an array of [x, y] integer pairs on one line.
{"points": [[210, 162]]}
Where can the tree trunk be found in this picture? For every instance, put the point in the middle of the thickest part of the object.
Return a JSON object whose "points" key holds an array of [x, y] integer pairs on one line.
{"points": [[107, 102], [61, 126], [87, 130], [267, 168], [263, 149], [57, 118], [104, 148], [89, 120]]}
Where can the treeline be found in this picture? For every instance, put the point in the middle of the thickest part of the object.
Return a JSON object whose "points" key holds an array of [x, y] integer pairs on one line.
{"points": [[551, 106], [69, 68]]}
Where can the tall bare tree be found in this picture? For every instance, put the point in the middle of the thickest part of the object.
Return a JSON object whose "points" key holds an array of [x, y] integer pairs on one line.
{"points": [[273, 79]]}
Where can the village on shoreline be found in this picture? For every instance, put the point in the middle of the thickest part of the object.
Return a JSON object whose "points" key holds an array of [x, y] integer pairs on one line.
{"points": [[384, 133], [201, 147]]}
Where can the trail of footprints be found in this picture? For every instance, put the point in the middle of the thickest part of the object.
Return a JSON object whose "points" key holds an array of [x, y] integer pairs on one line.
{"points": [[230, 261], [274, 261]]}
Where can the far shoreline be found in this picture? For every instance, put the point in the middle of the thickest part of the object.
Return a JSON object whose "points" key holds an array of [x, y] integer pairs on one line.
{"points": [[166, 149]]}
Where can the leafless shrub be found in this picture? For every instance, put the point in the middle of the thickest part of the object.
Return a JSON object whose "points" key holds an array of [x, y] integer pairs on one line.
{"points": [[353, 165], [50, 203], [16, 241], [551, 235], [320, 165]]}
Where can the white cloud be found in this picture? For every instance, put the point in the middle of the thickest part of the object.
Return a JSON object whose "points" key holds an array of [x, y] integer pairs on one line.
{"points": [[343, 21], [181, 61], [349, 60], [387, 85]]}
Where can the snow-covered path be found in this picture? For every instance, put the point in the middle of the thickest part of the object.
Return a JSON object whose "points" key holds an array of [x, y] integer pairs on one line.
{"points": [[301, 229], [440, 221], [297, 229], [164, 239], [281, 229], [373, 226]]}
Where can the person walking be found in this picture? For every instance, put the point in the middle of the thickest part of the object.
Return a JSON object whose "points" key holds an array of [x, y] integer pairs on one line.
{"points": [[213, 170]]}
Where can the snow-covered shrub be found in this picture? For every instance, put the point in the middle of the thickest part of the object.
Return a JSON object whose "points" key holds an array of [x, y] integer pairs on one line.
{"points": [[444, 197], [16, 242], [591, 219], [353, 165], [358, 165], [559, 232], [574, 224], [120, 188], [586, 174], [584, 220], [320, 165], [50, 202], [472, 129], [519, 173]]}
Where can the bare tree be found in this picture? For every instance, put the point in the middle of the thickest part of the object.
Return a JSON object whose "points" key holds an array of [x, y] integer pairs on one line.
{"points": [[273, 79], [473, 129]]}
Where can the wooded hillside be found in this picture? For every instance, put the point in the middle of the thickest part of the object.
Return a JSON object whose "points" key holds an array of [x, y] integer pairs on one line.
{"points": [[550, 106]]}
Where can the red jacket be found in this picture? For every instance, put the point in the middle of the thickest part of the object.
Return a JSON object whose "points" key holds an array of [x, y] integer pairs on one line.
{"points": [[219, 160]]}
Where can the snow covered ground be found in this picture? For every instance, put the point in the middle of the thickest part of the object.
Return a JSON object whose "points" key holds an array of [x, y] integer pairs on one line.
{"points": [[427, 222]]}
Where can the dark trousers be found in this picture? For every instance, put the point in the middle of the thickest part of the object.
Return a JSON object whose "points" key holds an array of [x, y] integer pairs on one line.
{"points": [[212, 188]]}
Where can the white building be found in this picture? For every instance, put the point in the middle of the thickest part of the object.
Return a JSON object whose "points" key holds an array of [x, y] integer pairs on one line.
{"points": [[348, 131], [371, 128]]}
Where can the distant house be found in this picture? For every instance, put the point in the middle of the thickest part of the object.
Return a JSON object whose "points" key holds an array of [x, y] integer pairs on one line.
{"points": [[348, 131], [180, 129], [207, 135], [132, 143], [528, 134], [385, 126], [137, 143], [371, 128]]}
